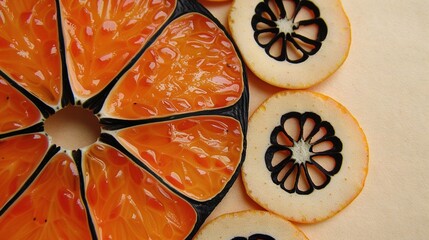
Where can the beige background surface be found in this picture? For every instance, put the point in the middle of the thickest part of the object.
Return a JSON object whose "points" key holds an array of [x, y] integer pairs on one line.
{"points": [[384, 84]]}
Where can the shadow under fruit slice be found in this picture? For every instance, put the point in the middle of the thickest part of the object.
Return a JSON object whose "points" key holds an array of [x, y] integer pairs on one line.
{"points": [[155, 171], [291, 43], [250, 225], [307, 153]]}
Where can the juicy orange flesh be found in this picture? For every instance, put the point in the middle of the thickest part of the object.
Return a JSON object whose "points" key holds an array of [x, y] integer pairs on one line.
{"points": [[51, 208], [191, 66], [102, 36], [29, 49], [197, 156], [126, 202], [16, 111], [19, 157]]}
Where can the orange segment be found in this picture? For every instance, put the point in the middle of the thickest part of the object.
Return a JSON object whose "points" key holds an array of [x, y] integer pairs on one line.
{"points": [[51, 207], [16, 111], [128, 203], [29, 49], [198, 156], [19, 157], [102, 36], [191, 66]]}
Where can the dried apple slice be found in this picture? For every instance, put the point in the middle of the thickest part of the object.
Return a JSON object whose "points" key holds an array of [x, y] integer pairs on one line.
{"points": [[291, 43], [307, 156], [252, 225]]}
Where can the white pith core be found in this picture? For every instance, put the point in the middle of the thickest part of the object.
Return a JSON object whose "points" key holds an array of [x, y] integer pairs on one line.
{"points": [[301, 152], [284, 25], [73, 128]]}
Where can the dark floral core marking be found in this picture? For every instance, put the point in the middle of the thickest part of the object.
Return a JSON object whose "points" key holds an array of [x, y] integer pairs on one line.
{"points": [[289, 30], [304, 153], [257, 236]]}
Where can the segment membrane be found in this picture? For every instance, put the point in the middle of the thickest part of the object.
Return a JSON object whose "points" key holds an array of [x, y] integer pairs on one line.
{"points": [[126, 202], [191, 66], [29, 48], [197, 156]]}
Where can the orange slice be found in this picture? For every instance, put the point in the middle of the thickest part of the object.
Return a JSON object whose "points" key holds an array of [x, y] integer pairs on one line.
{"points": [[250, 224], [294, 44], [166, 86], [307, 156]]}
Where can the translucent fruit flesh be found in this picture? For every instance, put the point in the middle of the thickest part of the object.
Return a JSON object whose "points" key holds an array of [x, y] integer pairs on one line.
{"points": [[291, 44], [29, 47], [308, 153], [197, 156], [191, 66], [19, 157], [127, 25], [16, 110], [127, 201], [51, 202]]}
